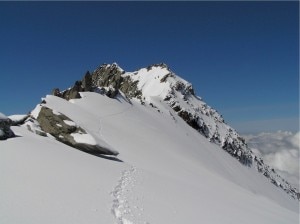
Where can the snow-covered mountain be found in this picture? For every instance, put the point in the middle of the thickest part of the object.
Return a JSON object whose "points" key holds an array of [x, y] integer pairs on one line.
{"points": [[177, 160]]}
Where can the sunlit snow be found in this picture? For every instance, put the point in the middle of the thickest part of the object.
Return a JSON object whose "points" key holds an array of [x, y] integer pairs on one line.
{"points": [[166, 171]]}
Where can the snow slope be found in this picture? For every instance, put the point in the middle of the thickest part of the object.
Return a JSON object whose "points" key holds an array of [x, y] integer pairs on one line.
{"points": [[166, 172]]}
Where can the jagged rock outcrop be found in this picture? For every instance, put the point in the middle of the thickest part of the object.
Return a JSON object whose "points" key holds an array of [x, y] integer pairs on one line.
{"points": [[107, 79], [5, 131], [73, 93], [65, 131], [87, 82], [108, 75], [111, 76], [56, 92]]}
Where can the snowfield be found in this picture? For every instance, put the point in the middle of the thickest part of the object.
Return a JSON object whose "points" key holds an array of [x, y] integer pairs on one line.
{"points": [[166, 172]]}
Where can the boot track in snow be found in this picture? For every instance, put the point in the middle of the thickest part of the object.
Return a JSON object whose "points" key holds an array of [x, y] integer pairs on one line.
{"points": [[120, 208]]}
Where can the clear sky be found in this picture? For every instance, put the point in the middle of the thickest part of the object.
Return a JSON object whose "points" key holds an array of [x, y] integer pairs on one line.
{"points": [[242, 57]]}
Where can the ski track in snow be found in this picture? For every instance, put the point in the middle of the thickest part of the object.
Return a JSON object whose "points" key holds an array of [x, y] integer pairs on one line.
{"points": [[121, 210], [110, 115]]}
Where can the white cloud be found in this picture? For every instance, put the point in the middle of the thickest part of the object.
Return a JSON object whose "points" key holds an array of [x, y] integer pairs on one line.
{"points": [[283, 160], [279, 150]]}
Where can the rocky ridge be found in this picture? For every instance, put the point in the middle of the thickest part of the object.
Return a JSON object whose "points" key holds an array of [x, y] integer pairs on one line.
{"points": [[46, 122], [159, 82]]}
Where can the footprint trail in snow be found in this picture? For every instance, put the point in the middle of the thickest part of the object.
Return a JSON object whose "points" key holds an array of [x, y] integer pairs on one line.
{"points": [[122, 193]]}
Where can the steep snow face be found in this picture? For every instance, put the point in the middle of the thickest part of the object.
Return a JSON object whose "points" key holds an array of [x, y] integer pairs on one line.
{"points": [[149, 81]]}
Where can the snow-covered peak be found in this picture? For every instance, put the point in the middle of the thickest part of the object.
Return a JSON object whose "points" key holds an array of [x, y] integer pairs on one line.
{"points": [[154, 80], [159, 80], [149, 81]]}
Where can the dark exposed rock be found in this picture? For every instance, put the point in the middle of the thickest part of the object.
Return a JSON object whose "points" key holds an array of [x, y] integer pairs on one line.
{"points": [[179, 86], [235, 149], [164, 79], [5, 131], [73, 93], [186, 90], [130, 89], [194, 122], [107, 75], [87, 83], [152, 105], [167, 98], [79, 86], [112, 92], [56, 126], [111, 76], [177, 108], [104, 76], [56, 92], [162, 65]]}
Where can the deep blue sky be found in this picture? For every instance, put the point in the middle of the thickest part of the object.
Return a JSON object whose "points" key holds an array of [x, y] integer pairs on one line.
{"points": [[242, 57]]}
